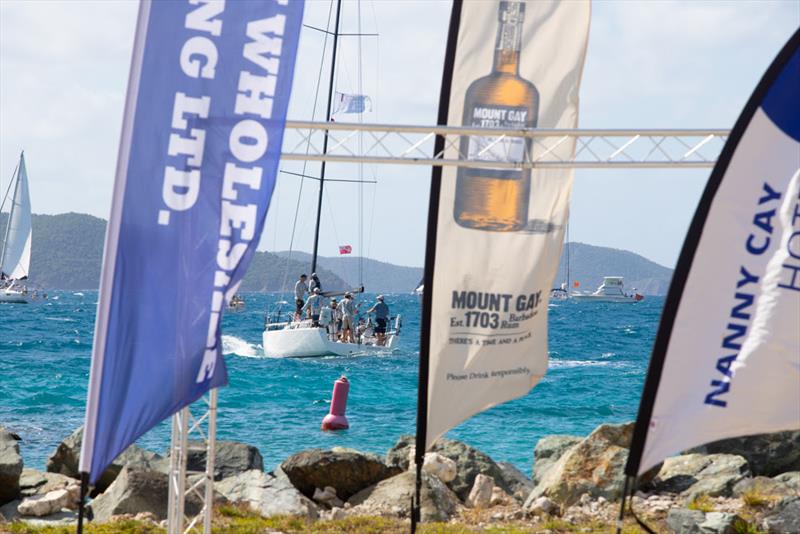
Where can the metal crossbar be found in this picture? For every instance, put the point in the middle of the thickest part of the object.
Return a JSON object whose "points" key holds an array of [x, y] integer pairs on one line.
{"points": [[549, 148]]}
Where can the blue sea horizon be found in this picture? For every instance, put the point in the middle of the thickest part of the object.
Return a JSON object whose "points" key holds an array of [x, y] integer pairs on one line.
{"points": [[598, 360]]}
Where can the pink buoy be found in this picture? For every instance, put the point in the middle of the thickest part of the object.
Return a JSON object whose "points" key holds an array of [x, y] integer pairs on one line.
{"points": [[336, 420]]}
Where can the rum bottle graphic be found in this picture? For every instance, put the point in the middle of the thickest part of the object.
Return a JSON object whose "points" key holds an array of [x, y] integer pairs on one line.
{"points": [[497, 199]]}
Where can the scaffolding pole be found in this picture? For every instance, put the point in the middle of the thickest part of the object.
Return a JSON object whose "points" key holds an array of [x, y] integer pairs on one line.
{"points": [[195, 485]]}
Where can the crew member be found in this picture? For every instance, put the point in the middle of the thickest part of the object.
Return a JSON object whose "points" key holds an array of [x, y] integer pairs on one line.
{"points": [[314, 306], [326, 318], [314, 283], [349, 312], [336, 320], [381, 311], [300, 290]]}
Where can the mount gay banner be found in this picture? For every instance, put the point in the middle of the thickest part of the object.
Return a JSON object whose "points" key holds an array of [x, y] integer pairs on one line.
{"points": [[726, 360], [496, 234], [207, 96]]}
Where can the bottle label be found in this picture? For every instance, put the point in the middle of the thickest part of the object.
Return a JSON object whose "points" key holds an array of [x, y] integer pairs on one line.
{"points": [[498, 148]]}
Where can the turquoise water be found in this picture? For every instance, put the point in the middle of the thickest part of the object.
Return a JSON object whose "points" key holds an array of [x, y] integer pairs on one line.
{"points": [[599, 355]]}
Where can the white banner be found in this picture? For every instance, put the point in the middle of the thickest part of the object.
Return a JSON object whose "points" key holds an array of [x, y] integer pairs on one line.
{"points": [[726, 361], [499, 232]]}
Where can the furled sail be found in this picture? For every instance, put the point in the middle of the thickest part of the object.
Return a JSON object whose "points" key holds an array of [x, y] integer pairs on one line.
{"points": [[16, 253]]}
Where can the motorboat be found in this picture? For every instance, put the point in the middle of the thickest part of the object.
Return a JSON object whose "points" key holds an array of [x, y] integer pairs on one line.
{"points": [[611, 290]]}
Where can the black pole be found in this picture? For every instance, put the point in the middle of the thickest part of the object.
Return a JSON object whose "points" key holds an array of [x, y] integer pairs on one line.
{"points": [[430, 261], [82, 502], [325, 139], [621, 517]]}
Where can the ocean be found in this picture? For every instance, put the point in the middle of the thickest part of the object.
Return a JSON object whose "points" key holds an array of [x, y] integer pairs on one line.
{"points": [[598, 360]]}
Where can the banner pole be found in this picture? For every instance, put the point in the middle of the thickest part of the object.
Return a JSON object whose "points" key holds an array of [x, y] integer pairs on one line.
{"points": [[621, 517], [430, 261], [82, 501]]}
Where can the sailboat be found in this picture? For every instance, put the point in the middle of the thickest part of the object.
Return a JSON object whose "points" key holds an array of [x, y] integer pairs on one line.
{"points": [[562, 292], [288, 336], [15, 254]]}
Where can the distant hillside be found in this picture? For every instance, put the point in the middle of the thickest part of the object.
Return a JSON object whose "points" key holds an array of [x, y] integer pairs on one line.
{"points": [[378, 276], [588, 265], [67, 253]]}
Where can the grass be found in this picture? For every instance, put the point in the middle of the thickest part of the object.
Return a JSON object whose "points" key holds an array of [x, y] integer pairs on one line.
{"points": [[231, 519], [701, 503], [746, 527], [119, 527], [753, 498]]}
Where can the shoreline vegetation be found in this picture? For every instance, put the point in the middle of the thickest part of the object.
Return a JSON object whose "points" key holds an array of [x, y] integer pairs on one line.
{"points": [[735, 486]]}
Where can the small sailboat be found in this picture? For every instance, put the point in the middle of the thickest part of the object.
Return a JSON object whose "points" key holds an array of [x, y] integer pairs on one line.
{"points": [[611, 290], [286, 334], [15, 254], [420, 289]]}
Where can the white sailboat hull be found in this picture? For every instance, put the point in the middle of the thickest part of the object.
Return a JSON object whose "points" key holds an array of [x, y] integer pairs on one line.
{"points": [[314, 342], [14, 297]]}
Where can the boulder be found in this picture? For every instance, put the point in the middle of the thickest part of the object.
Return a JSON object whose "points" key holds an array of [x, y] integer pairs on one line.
{"points": [[791, 479], [230, 458], [768, 454], [10, 466], [8, 511], [480, 496], [33, 482], [542, 505], [399, 456], [594, 467], [51, 502], [785, 519], [268, 494], [547, 452], [347, 470], [765, 486], [697, 474], [499, 497], [684, 521], [64, 460], [440, 466], [393, 496], [138, 490], [520, 485], [469, 462], [327, 497]]}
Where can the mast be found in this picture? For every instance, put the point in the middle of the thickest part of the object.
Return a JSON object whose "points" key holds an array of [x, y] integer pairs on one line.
{"points": [[15, 181], [325, 140], [567, 255]]}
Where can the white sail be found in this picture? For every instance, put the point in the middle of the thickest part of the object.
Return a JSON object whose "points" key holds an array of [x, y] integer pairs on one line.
{"points": [[16, 252]]}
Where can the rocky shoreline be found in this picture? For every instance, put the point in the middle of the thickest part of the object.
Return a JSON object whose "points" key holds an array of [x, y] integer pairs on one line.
{"points": [[749, 484]]}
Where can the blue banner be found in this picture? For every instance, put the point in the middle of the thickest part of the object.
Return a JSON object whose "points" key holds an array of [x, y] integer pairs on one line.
{"points": [[207, 97]]}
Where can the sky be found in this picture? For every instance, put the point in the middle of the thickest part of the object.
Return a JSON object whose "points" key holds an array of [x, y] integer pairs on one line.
{"points": [[654, 64]]}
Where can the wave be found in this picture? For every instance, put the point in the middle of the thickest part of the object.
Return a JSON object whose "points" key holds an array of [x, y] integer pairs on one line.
{"points": [[240, 347]]}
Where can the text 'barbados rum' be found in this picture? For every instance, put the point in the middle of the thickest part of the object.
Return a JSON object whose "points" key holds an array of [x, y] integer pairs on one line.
{"points": [[497, 199]]}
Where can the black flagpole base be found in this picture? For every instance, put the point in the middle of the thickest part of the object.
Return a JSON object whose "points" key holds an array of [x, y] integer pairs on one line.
{"points": [[82, 501]]}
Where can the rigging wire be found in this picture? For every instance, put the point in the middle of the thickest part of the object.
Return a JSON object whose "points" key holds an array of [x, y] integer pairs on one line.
{"points": [[308, 146]]}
